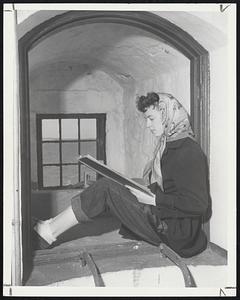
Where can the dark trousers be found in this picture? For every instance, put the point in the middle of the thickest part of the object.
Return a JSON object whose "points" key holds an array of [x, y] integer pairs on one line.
{"points": [[106, 194]]}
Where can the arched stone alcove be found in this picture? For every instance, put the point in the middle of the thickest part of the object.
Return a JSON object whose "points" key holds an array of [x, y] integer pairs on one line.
{"points": [[173, 35]]}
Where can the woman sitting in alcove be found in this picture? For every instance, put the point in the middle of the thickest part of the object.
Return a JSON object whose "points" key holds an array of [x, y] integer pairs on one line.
{"points": [[177, 177]]}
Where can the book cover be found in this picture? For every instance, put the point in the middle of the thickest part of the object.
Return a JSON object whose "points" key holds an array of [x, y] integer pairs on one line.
{"points": [[107, 172]]}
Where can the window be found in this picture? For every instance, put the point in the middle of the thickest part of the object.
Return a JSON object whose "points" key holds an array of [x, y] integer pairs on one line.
{"points": [[61, 138]]}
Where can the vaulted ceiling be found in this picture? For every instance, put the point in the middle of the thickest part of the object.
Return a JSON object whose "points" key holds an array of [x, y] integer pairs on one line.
{"points": [[124, 52]]}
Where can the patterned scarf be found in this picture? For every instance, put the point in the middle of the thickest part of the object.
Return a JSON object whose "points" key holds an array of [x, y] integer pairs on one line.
{"points": [[176, 126]]}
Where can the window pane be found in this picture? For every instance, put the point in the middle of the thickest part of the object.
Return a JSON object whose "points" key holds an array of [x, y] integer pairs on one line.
{"points": [[87, 171], [69, 129], [50, 129], [88, 148], [70, 174], [88, 129], [69, 152], [50, 153], [51, 176]]}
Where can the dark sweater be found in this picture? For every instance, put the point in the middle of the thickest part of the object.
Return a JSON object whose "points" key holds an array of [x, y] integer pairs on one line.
{"points": [[185, 202]]}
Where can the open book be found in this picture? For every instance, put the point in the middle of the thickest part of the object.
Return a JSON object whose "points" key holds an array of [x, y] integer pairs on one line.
{"points": [[107, 172]]}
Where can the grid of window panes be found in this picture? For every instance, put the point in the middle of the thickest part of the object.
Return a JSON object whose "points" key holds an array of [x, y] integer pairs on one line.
{"points": [[62, 140]]}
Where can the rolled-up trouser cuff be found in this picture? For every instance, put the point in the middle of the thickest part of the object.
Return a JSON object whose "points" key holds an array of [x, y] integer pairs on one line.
{"points": [[77, 209]]}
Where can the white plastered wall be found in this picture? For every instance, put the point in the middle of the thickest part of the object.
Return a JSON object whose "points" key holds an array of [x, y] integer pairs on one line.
{"points": [[219, 146]]}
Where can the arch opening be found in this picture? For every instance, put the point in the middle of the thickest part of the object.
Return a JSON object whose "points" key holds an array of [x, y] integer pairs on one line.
{"points": [[171, 34]]}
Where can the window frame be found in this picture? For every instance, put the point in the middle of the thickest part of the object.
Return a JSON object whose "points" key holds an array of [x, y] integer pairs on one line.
{"points": [[100, 144]]}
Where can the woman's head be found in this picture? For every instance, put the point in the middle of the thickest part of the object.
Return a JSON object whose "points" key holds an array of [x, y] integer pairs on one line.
{"points": [[164, 114], [149, 106], [144, 102]]}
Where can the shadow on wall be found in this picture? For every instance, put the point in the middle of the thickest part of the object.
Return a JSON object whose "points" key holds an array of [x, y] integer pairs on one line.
{"points": [[41, 205], [46, 204]]}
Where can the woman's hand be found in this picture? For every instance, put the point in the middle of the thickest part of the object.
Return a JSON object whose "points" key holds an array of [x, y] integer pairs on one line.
{"points": [[142, 197]]}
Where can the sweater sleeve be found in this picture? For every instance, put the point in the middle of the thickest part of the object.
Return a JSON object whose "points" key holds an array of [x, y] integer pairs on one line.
{"points": [[190, 178]]}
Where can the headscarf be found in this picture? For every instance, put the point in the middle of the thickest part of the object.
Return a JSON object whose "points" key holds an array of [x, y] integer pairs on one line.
{"points": [[176, 126]]}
